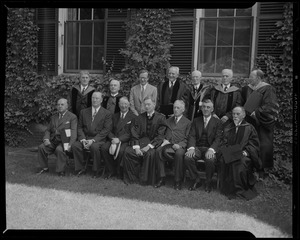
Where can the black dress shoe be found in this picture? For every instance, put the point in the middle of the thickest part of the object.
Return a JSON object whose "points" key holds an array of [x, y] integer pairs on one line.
{"points": [[44, 170], [81, 172], [160, 183], [177, 186], [61, 174], [194, 186], [208, 188]]}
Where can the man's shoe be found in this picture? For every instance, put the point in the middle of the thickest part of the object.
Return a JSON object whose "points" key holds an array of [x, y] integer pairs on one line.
{"points": [[81, 172], [208, 188], [44, 170], [160, 183], [194, 186], [177, 186], [61, 174]]}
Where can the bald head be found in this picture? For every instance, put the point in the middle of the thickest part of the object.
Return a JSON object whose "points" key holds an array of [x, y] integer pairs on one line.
{"points": [[62, 105]]}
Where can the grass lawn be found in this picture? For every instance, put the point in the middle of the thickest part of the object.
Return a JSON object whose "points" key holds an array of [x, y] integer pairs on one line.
{"points": [[272, 206]]}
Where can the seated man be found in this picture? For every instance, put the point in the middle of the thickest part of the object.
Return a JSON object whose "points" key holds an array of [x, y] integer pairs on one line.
{"points": [[111, 102], [203, 143], [64, 123], [147, 133], [237, 179], [174, 145], [120, 134], [93, 127]]}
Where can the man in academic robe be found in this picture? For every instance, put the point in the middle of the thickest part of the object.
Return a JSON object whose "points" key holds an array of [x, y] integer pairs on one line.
{"points": [[174, 145], [225, 97], [59, 136], [111, 102], [140, 92], [197, 95], [237, 163], [171, 90], [147, 133], [81, 95], [120, 134], [203, 143], [260, 103], [93, 127]]}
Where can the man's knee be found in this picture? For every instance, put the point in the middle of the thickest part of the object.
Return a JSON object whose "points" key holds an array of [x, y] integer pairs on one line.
{"points": [[94, 147]]}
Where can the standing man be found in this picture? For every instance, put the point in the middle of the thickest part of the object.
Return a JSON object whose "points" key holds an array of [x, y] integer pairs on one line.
{"points": [[140, 92], [147, 133], [111, 102], [197, 95], [120, 134], [260, 103], [62, 124], [94, 125], [174, 145], [240, 153], [225, 97], [171, 90], [81, 95], [203, 143]]}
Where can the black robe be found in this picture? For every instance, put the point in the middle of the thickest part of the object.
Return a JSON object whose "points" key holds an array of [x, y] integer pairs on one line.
{"points": [[79, 101], [264, 121], [236, 178]]}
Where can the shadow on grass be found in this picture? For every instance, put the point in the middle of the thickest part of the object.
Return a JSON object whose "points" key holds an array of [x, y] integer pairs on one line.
{"points": [[272, 206]]}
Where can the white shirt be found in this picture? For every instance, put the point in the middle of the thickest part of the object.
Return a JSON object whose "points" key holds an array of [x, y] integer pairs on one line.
{"points": [[82, 87], [124, 114], [113, 95], [208, 118], [228, 86], [178, 118], [197, 86], [144, 87], [93, 110], [170, 83], [150, 114]]}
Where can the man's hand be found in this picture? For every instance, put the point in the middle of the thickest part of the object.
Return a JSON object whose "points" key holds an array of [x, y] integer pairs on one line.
{"points": [[224, 119], [47, 142], [138, 152], [209, 154], [115, 140], [190, 153], [176, 146], [145, 149]]}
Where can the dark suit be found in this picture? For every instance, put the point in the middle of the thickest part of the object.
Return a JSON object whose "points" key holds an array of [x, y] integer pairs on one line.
{"points": [[53, 133], [214, 135], [121, 130], [97, 130], [176, 133], [167, 97], [137, 167], [106, 100]]}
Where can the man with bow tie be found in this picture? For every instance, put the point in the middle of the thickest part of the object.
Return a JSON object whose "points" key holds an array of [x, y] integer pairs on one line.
{"points": [[147, 133], [198, 93], [203, 143], [111, 102], [120, 134], [225, 97], [94, 125], [81, 95], [64, 123], [240, 154]]}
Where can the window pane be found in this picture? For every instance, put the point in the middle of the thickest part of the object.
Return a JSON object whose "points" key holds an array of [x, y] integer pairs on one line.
{"points": [[99, 13], [72, 14], [244, 12], [241, 56], [225, 32], [242, 32], [72, 58], [85, 58], [224, 57], [226, 12], [210, 28], [72, 33], [97, 60], [99, 33], [210, 12], [86, 34], [207, 60], [85, 13]]}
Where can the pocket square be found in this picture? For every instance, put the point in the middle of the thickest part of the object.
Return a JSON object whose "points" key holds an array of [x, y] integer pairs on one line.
{"points": [[67, 122], [128, 122]]}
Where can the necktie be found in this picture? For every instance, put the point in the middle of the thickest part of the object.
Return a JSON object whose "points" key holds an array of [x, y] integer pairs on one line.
{"points": [[83, 90], [205, 122], [176, 119], [60, 116], [122, 115], [225, 89], [94, 115], [142, 92]]}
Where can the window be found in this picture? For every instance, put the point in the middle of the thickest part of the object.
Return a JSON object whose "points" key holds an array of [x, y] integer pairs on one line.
{"points": [[225, 41], [85, 34]]}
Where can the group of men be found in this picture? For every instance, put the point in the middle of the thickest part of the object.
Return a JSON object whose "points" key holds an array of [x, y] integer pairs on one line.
{"points": [[231, 129]]}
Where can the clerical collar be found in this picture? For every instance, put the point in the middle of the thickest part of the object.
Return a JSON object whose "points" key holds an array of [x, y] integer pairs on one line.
{"points": [[113, 95]]}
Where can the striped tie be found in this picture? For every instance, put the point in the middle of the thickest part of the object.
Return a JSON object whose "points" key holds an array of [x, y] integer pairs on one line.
{"points": [[94, 115]]}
